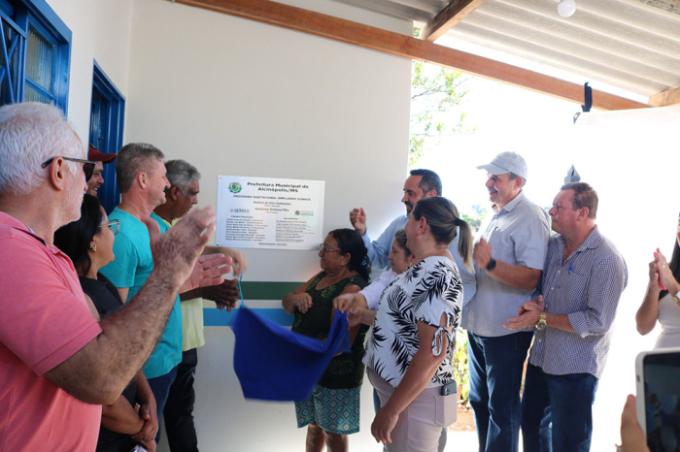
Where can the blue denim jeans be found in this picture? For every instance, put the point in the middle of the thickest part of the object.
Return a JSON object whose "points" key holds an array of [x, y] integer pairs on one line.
{"points": [[160, 386], [557, 413], [496, 365]]}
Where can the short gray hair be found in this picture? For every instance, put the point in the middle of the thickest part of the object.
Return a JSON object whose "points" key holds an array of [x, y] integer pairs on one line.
{"points": [[513, 176], [132, 159], [180, 174], [30, 134]]}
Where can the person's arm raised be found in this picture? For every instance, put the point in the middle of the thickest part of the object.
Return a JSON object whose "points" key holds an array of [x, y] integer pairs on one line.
{"points": [[647, 314], [99, 372]]}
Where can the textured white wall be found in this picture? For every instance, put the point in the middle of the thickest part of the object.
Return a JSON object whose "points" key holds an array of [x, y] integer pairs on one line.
{"points": [[237, 97], [101, 31]]}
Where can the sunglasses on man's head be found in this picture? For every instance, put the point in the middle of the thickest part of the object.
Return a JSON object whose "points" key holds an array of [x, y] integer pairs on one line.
{"points": [[88, 165]]}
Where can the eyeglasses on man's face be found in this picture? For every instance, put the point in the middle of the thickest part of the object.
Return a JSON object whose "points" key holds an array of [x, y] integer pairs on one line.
{"points": [[324, 250], [88, 165], [114, 225]]}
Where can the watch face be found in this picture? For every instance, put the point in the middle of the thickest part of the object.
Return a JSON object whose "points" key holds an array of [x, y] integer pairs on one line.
{"points": [[540, 326]]}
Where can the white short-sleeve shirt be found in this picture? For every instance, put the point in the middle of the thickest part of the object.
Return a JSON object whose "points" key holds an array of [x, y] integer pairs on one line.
{"points": [[422, 293]]}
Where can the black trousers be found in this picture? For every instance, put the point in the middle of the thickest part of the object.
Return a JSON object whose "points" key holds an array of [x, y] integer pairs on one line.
{"points": [[178, 413]]}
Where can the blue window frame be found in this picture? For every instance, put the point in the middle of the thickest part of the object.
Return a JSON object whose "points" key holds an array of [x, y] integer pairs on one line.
{"points": [[35, 54], [107, 118]]}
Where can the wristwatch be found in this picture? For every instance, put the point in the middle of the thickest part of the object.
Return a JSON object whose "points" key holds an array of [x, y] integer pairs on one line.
{"points": [[491, 265], [542, 324], [676, 297]]}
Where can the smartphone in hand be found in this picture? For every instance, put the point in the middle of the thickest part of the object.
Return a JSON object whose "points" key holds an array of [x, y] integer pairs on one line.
{"points": [[658, 397]]}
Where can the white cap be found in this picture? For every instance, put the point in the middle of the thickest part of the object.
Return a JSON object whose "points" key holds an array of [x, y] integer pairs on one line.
{"points": [[507, 162]]}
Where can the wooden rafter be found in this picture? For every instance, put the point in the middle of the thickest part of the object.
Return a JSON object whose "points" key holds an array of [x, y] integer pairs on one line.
{"points": [[408, 47], [448, 17], [665, 98]]}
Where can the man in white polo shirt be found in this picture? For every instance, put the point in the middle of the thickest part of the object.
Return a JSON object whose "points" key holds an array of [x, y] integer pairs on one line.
{"points": [[509, 254]]}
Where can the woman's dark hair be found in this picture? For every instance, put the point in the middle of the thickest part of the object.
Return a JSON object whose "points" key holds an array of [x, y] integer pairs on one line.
{"points": [[444, 220], [74, 238], [400, 237], [350, 242], [674, 267]]}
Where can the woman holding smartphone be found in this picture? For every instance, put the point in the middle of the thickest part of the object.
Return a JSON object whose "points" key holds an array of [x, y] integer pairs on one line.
{"points": [[410, 352], [662, 304]]}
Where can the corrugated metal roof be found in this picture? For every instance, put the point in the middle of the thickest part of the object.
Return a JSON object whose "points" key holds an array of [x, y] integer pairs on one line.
{"points": [[632, 44]]}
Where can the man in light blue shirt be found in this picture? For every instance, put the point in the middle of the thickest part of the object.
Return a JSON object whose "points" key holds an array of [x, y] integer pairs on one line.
{"points": [[509, 254], [420, 184]]}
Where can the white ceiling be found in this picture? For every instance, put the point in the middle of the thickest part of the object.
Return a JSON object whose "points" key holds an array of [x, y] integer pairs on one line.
{"points": [[631, 44]]}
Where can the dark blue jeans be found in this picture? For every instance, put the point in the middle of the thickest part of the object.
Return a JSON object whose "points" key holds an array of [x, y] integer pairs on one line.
{"points": [[557, 413], [178, 414], [160, 386], [496, 365]]}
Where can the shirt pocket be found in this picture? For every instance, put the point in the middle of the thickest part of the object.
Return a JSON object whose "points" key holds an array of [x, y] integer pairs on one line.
{"points": [[572, 287]]}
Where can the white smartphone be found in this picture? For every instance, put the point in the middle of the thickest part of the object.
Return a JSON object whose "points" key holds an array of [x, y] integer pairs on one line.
{"points": [[658, 397]]}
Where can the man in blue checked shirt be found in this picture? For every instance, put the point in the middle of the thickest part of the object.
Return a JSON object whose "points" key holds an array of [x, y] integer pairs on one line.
{"points": [[583, 278]]}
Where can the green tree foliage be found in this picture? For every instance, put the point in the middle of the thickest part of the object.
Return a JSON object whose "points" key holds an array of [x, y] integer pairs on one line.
{"points": [[461, 366], [475, 220], [435, 92]]}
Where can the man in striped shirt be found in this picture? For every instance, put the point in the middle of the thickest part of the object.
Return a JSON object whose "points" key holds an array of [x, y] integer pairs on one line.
{"points": [[583, 278]]}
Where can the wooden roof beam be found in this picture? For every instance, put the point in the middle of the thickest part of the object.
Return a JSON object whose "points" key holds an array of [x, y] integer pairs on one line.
{"points": [[448, 18], [665, 98], [408, 47]]}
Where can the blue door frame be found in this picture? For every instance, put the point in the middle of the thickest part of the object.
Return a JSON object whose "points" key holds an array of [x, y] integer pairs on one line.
{"points": [[107, 118]]}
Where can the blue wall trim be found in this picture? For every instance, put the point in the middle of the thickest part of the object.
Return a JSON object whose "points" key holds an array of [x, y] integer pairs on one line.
{"points": [[41, 8], [110, 139], [215, 317]]}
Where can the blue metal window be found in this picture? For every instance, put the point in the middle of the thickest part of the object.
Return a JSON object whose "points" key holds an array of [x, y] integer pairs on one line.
{"points": [[35, 53], [107, 117]]}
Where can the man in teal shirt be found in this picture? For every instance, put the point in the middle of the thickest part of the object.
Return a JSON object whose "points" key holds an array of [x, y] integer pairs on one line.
{"points": [[142, 182], [178, 413]]}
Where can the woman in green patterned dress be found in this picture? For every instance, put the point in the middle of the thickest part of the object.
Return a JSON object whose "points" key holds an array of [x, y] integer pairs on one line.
{"points": [[332, 412]]}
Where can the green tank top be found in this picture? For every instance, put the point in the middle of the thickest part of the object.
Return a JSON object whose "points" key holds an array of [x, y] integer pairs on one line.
{"points": [[345, 371]]}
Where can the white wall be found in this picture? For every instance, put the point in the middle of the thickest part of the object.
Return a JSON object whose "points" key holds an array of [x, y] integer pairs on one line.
{"points": [[237, 97], [630, 158], [101, 31]]}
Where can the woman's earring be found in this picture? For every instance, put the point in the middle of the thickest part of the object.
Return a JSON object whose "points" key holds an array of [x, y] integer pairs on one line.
{"points": [[93, 248]]}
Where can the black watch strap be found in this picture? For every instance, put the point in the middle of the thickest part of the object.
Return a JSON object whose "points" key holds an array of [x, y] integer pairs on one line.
{"points": [[492, 265]]}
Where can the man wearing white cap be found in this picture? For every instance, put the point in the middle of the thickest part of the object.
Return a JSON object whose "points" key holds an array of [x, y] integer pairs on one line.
{"points": [[509, 255]]}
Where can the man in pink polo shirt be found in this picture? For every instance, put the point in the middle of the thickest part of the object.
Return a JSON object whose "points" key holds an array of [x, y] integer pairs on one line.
{"points": [[58, 364]]}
